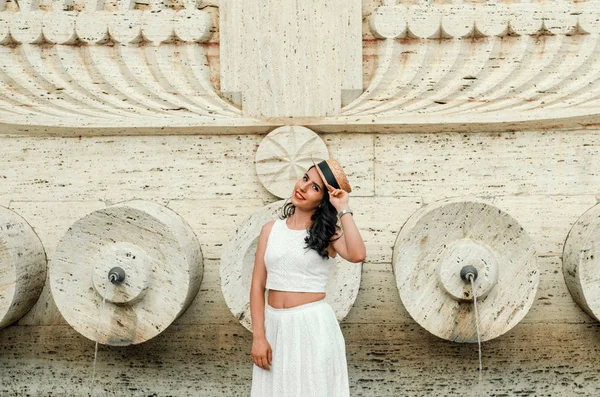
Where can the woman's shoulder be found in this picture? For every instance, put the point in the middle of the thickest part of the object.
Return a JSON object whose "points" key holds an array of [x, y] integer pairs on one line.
{"points": [[266, 229], [265, 232]]}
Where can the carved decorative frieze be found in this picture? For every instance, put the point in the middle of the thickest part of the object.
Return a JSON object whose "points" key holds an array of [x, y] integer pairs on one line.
{"points": [[477, 19], [108, 68]]}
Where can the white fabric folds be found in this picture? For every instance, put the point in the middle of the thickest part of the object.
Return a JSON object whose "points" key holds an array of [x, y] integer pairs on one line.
{"points": [[309, 354]]}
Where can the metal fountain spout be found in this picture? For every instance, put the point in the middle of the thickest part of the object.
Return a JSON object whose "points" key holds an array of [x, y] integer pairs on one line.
{"points": [[467, 273], [116, 275]]}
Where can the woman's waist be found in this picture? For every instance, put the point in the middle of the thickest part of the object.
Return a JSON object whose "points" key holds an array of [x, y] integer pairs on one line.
{"points": [[290, 299]]}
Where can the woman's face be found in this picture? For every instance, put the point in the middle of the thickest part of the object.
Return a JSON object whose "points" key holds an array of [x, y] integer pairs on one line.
{"points": [[308, 191]]}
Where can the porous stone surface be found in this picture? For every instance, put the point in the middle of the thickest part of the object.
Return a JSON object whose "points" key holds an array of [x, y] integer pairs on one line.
{"points": [[581, 261], [544, 179], [497, 100], [237, 264], [161, 259], [22, 267], [286, 58], [285, 155], [441, 239]]}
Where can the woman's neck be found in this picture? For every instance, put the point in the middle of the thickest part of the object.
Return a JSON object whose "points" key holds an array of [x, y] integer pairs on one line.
{"points": [[301, 219]]}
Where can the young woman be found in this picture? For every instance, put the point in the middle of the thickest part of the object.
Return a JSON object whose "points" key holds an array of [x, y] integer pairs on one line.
{"points": [[298, 348]]}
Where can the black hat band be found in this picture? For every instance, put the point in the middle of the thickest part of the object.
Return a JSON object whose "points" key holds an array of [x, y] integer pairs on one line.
{"points": [[328, 174]]}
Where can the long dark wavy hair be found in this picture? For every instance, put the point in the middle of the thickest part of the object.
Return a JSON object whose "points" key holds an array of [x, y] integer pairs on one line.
{"points": [[324, 223]]}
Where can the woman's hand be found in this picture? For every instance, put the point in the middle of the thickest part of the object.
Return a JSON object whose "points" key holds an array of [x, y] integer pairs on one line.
{"points": [[338, 198], [261, 352]]}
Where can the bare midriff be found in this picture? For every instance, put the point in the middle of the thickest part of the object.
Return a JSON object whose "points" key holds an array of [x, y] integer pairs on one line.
{"points": [[287, 299]]}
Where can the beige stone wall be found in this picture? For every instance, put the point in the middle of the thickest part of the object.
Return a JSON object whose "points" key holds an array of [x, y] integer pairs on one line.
{"points": [[544, 179]]}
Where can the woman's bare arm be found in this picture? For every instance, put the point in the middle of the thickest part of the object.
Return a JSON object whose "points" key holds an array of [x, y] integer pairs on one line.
{"points": [[348, 242], [261, 350]]}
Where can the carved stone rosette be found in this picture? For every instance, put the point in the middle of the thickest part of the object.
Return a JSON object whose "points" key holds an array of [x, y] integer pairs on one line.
{"points": [[285, 155]]}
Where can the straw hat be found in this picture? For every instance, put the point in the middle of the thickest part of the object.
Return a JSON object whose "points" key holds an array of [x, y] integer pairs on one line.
{"points": [[332, 173]]}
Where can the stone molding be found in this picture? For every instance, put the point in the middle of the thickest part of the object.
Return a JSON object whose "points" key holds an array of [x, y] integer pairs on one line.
{"points": [[435, 21], [103, 23], [460, 67]]}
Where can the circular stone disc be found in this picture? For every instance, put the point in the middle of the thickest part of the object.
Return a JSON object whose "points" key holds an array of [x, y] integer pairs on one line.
{"points": [[434, 245], [581, 261], [22, 267], [284, 156], [162, 261], [237, 264]]}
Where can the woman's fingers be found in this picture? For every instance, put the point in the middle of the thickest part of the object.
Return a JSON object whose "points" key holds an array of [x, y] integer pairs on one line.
{"points": [[263, 363], [270, 356]]}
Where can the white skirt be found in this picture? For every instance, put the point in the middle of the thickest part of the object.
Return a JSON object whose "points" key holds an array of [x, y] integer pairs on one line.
{"points": [[309, 354]]}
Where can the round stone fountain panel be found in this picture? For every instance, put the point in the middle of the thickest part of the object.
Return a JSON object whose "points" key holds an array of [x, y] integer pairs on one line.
{"points": [[437, 242], [160, 256], [581, 261], [22, 267]]}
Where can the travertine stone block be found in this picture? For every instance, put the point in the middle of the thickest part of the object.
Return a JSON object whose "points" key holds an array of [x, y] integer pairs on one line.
{"points": [[547, 218], [489, 164], [209, 306], [237, 264], [168, 167], [581, 261], [284, 156], [377, 301], [289, 58], [383, 360], [356, 154], [161, 259], [22, 267], [554, 304], [214, 221], [378, 218], [433, 247]]}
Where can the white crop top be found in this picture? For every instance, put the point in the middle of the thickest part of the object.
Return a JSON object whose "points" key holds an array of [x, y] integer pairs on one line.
{"points": [[290, 265]]}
